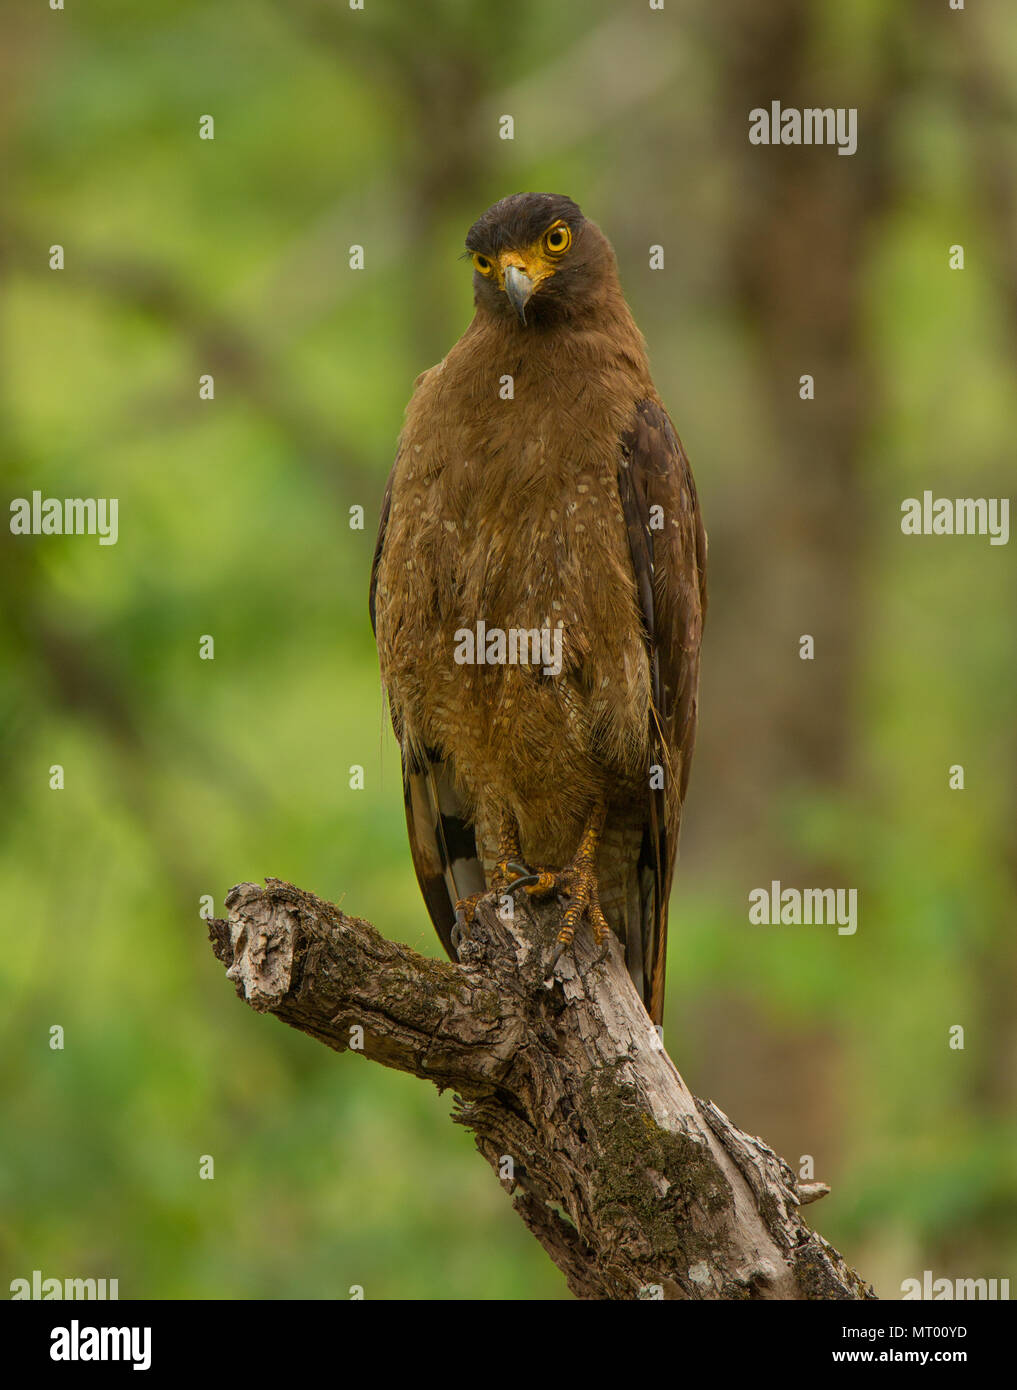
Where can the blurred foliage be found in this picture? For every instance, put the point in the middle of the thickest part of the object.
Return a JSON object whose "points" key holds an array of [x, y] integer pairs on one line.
{"points": [[184, 256]]}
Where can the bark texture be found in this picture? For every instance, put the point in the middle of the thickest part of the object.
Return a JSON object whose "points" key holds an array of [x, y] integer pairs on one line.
{"points": [[634, 1187]]}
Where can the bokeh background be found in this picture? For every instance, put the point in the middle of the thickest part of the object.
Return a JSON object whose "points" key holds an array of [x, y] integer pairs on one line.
{"points": [[230, 257]]}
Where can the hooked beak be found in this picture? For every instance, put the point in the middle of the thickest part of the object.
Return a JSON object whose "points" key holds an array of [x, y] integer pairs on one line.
{"points": [[519, 288]]}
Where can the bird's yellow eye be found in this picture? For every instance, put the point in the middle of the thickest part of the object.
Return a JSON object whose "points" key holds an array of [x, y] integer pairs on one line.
{"points": [[558, 239], [482, 263]]}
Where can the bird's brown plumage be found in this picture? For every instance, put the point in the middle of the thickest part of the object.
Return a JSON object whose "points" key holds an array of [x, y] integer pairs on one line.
{"points": [[566, 503]]}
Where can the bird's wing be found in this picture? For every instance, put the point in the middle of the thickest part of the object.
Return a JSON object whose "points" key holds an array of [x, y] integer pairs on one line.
{"points": [[442, 840], [379, 546], [667, 545]]}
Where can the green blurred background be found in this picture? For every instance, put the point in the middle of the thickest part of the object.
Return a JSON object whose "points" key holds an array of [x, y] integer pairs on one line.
{"points": [[183, 777]]}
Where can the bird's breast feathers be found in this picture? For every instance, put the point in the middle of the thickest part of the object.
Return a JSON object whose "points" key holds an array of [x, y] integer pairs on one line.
{"points": [[508, 515]]}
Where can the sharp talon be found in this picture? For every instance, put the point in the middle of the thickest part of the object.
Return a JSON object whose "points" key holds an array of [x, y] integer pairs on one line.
{"points": [[507, 871], [559, 952], [562, 945], [523, 882]]}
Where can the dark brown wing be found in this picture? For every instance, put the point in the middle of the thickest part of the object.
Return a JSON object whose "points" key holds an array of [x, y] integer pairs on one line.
{"points": [[379, 545], [442, 841], [667, 544]]}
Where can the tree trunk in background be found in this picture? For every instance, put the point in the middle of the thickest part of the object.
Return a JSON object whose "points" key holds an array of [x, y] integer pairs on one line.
{"points": [[789, 559], [804, 218]]}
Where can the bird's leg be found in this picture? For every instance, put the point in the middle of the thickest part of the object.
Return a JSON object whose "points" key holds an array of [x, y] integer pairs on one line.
{"points": [[506, 866], [580, 879], [508, 863], [510, 871]]}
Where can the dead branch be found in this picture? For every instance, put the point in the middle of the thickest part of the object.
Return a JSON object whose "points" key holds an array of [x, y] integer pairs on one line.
{"points": [[635, 1188]]}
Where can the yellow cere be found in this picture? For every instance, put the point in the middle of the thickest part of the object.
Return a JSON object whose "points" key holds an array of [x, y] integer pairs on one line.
{"points": [[537, 261]]}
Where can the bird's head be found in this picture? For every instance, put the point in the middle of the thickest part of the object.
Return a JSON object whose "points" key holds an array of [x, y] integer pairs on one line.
{"points": [[536, 259]]}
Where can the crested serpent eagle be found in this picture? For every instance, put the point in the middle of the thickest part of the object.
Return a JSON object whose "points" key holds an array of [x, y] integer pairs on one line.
{"points": [[540, 491]]}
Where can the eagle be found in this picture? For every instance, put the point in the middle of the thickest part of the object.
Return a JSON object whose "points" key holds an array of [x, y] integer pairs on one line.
{"points": [[537, 596]]}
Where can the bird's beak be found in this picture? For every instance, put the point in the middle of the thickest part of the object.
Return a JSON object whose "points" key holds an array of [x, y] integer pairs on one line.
{"points": [[519, 288]]}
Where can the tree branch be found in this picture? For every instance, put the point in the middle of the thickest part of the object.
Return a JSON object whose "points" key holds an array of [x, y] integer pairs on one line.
{"points": [[633, 1187]]}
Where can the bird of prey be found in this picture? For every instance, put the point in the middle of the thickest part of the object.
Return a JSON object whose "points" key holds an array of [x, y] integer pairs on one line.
{"points": [[537, 596]]}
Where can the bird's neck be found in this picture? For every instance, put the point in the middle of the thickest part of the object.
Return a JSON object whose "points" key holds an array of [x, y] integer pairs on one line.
{"points": [[601, 334]]}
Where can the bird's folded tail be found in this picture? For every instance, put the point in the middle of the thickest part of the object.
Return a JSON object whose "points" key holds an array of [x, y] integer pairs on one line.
{"points": [[442, 840], [628, 897]]}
